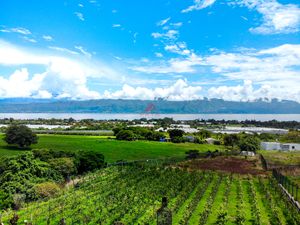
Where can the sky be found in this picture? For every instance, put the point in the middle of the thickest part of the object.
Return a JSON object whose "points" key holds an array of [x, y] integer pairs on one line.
{"points": [[240, 50]]}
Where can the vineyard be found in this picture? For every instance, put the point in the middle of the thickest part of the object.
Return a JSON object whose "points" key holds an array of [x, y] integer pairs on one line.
{"points": [[132, 194]]}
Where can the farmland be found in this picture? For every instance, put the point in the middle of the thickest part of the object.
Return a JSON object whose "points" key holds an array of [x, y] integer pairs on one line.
{"points": [[282, 158], [111, 149], [131, 194]]}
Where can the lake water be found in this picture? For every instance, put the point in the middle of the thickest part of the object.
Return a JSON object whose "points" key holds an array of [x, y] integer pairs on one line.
{"points": [[108, 116]]}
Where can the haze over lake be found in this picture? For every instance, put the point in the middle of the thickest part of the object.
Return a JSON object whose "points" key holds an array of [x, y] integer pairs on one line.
{"points": [[125, 116]]}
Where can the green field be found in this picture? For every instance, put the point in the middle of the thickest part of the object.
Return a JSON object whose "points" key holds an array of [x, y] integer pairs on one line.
{"points": [[281, 158], [132, 195], [113, 150]]}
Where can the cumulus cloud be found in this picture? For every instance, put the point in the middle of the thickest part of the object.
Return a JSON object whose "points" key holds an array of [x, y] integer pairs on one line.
{"points": [[198, 5], [277, 17], [270, 69], [62, 77], [180, 90], [178, 48], [19, 84], [276, 63], [247, 92]]}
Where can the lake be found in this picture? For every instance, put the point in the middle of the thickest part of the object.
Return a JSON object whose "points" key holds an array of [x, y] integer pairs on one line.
{"points": [[110, 116]]}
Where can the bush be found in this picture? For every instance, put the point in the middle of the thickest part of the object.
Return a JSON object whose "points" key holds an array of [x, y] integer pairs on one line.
{"points": [[217, 142], [48, 154], [20, 135], [231, 140], [192, 154], [65, 166], [126, 135], [176, 135], [46, 190], [89, 161], [18, 201]]}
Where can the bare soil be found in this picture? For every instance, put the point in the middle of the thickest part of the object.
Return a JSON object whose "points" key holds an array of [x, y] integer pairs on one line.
{"points": [[230, 164]]}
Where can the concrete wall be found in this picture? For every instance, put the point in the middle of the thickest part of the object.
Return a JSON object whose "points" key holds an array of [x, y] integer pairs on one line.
{"points": [[280, 146]]}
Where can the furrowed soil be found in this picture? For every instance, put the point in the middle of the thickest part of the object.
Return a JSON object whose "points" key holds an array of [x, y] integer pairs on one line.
{"points": [[230, 164]]}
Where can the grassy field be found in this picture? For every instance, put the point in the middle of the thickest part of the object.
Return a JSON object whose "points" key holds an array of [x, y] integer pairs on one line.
{"points": [[282, 158], [113, 150]]}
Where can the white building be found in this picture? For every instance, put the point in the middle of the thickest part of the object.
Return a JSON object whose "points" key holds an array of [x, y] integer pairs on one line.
{"points": [[250, 130], [280, 146]]}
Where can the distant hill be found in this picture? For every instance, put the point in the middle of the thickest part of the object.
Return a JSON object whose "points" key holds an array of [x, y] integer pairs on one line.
{"points": [[27, 105]]}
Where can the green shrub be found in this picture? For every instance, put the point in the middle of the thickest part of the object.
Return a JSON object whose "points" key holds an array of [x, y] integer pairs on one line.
{"points": [[46, 189]]}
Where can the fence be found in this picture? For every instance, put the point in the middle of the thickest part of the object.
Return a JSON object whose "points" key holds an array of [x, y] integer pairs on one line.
{"points": [[292, 188]]}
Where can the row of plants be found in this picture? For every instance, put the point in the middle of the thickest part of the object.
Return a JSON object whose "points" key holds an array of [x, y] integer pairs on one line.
{"points": [[132, 194]]}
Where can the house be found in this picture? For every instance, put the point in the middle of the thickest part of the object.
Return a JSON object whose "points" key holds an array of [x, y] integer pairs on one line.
{"points": [[290, 147], [247, 153], [210, 140], [280, 146]]}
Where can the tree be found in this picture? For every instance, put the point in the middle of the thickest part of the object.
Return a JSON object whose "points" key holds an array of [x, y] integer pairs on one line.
{"points": [[204, 134], [231, 140], [20, 135], [126, 135], [176, 135], [65, 166], [249, 143], [89, 161]]}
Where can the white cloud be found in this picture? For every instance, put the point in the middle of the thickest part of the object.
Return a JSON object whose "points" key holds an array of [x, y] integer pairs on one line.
{"points": [[170, 34], [135, 37], [116, 25], [158, 54], [80, 5], [277, 17], [174, 65], [163, 22], [62, 76], [247, 92], [269, 69], [178, 91], [198, 5], [79, 15], [43, 94], [178, 48], [63, 50], [47, 38], [177, 25], [29, 39], [19, 30], [20, 85], [83, 51]]}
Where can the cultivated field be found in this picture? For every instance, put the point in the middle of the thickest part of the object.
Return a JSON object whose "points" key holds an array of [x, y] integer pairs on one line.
{"points": [[282, 158], [132, 195], [113, 150]]}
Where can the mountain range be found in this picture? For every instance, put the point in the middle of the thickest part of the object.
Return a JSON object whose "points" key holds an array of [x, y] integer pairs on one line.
{"points": [[29, 105]]}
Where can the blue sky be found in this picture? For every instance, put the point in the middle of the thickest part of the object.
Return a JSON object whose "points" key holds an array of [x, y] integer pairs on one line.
{"points": [[238, 50]]}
